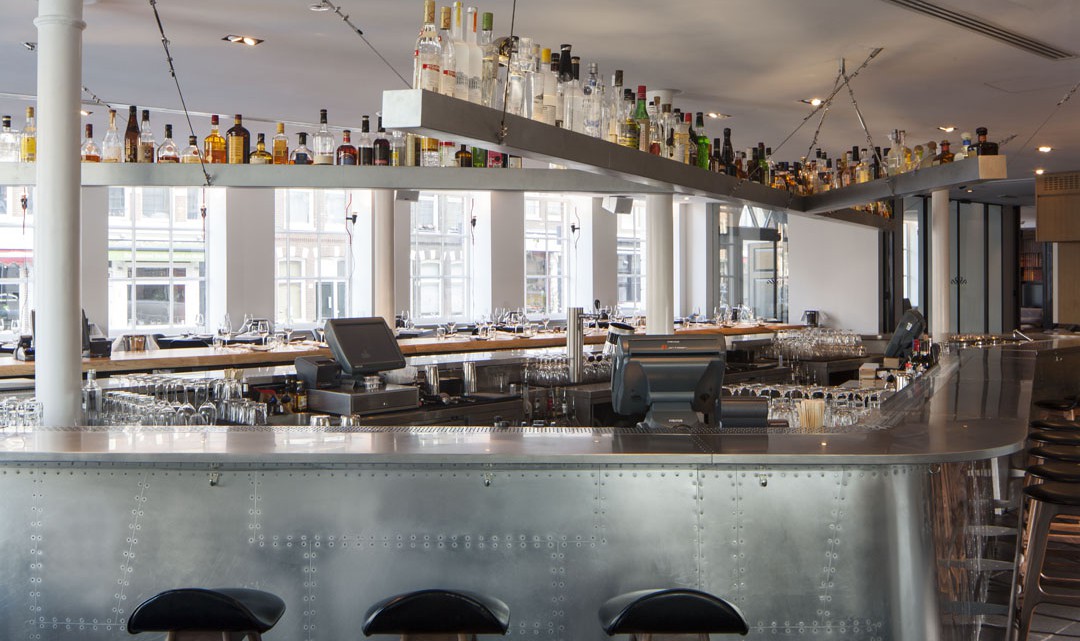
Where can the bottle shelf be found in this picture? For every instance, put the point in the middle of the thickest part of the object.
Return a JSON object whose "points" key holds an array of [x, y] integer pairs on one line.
{"points": [[431, 114]]}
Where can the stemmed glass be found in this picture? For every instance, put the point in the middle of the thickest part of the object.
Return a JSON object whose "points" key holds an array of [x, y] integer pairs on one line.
{"points": [[451, 328], [287, 329], [262, 328], [545, 318]]}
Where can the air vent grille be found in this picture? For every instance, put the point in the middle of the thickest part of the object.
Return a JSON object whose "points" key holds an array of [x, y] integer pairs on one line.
{"points": [[980, 26], [1058, 183]]}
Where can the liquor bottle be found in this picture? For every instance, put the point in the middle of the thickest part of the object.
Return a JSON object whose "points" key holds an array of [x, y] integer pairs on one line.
{"points": [[461, 52], [301, 155], [280, 146], [852, 167], [365, 146], [895, 162], [537, 82], [346, 153], [238, 142], [447, 156], [727, 154], [628, 127], [702, 139], [323, 141], [944, 156], [91, 399], [641, 117], [261, 156], [929, 153], [875, 165], [864, 172], [520, 68], [691, 152], [191, 153], [463, 157], [982, 147], [490, 66], [147, 146], [740, 165], [28, 141], [565, 77], [965, 147], [448, 61], [476, 57], [657, 135], [168, 152], [668, 120], [381, 154], [429, 152], [574, 99], [214, 144], [753, 168], [9, 141], [131, 136], [426, 58], [398, 152], [763, 165], [551, 85], [680, 140], [112, 150], [89, 151], [300, 397], [613, 105]]}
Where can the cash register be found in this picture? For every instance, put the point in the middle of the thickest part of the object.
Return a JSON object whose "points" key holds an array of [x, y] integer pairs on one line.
{"points": [[361, 348]]}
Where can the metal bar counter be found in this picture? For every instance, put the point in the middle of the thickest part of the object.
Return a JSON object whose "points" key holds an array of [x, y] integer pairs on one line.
{"points": [[869, 533]]}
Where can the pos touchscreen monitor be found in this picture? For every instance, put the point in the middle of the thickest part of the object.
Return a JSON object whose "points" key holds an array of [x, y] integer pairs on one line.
{"points": [[363, 345]]}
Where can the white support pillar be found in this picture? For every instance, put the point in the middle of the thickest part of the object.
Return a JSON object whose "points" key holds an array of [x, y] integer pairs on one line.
{"points": [[660, 259], [382, 215], [58, 340], [940, 320]]}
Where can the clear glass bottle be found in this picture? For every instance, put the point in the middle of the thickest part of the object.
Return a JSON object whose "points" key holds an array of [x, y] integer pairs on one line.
{"points": [[574, 99], [628, 127], [430, 155], [238, 142], [398, 153], [364, 145], [381, 151], [897, 161], [613, 108], [426, 57], [564, 77], [541, 65], [448, 61], [9, 141], [89, 151], [592, 104], [112, 149], [301, 155], [28, 140], [91, 399], [965, 143], [476, 56], [147, 145], [346, 152], [214, 145], [280, 146], [461, 51], [323, 143], [168, 152], [261, 156], [490, 68], [191, 153], [522, 65]]}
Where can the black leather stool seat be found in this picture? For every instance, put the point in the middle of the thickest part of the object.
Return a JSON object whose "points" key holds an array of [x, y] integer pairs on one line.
{"points": [[674, 611], [1061, 472], [1058, 493], [1056, 404], [1065, 453], [1055, 437], [438, 612], [219, 609], [1055, 424]]}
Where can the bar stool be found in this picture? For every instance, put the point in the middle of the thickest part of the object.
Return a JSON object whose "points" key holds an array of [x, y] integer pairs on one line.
{"points": [[1056, 471], [1052, 437], [448, 614], [1048, 502], [672, 611], [1059, 424], [1063, 453], [198, 614], [1064, 406]]}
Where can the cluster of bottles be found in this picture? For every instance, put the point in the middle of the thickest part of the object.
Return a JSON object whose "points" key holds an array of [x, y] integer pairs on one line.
{"points": [[18, 146]]}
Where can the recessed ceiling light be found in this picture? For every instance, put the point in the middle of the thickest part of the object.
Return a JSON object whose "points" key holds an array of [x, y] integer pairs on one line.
{"points": [[947, 128], [971, 191], [242, 40], [1046, 149], [813, 102], [1039, 172], [718, 115]]}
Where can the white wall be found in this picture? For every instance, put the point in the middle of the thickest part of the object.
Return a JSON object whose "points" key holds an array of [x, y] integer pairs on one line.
{"points": [[507, 258], [833, 267], [241, 247], [94, 269]]}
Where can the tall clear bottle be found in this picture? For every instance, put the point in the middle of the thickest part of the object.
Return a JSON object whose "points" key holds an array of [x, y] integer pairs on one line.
{"points": [[564, 80], [476, 57], [322, 143], [112, 148], [28, 140], [490, 68], [280, 146], [461, 51], [91, 399], [147, 146], [681, 140], [538, 77], [426, 58], [628, 127], [448, 62], [613, 107], [574, 99], [593, 104], [519, 74]]}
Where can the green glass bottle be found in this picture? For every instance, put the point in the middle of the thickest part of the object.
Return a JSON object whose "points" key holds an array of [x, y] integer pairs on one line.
{"points": [[702, 141], [641, 117]]}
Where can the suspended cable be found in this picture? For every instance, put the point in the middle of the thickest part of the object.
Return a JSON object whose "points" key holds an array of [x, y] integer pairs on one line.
{"points": [[94, 97], [345, 18], [172, 72], [1053, 112], [503, 133]]}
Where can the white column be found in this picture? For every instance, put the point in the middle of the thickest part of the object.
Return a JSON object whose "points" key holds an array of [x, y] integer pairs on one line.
{"points": [[57, 383], [940, 243], [660, 272], [382, 215]]}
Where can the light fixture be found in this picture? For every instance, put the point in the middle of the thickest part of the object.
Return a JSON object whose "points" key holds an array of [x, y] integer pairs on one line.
{"points": [[947, 128], [319, 6], [1046, 149], [813, 102], [717, 115], [242, 40], [84, 112], [30, 46], [971, 191], [1039, 172]]}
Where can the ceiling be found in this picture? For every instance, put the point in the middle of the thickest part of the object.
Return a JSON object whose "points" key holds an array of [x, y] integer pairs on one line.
{"points": [[753, 59]]}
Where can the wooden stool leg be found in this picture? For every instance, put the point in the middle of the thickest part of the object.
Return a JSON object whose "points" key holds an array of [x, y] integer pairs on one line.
{"points": [[1042, 515]]}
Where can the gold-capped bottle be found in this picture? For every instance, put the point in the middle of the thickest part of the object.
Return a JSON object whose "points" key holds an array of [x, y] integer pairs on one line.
{"points": [[281, 146], [28, 146], [261, 156], [237, 142], [214, 145], [147, 146]]}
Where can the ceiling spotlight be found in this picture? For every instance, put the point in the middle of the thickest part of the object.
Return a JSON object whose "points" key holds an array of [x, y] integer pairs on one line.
{"points": [[30, 46], [947, 129], [718, 115], [1046, 149], [85, 112], [319, 6], [242, 40], [1039, 172], [971, 191], [813, 102]]}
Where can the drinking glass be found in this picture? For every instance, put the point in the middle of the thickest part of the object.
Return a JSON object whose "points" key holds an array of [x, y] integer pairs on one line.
{"points": [[262, 328], [225, 328]]}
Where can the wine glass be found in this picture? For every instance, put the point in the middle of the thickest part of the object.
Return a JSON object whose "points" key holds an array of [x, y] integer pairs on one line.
{"points": [[451, 328], [225, 328], [287, 329], [262, 328], [545, 318], [200, 323]]}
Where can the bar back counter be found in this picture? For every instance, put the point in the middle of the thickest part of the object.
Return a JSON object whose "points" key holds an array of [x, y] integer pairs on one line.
{"points": [[870, 532]]}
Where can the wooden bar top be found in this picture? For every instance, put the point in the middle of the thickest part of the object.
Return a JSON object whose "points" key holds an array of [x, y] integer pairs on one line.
{"points": [[245, 356]]}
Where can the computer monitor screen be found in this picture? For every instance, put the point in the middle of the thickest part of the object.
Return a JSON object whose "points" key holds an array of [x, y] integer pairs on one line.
{"points": [[912, 325], [363, 345], [674, 380]]}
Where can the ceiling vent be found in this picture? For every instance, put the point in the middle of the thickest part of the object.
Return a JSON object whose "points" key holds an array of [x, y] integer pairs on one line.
{"points": [[1051, 184], [980, 26]]}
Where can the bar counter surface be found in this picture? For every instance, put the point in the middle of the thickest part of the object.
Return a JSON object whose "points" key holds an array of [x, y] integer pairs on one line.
{"points": [[867, 532]]}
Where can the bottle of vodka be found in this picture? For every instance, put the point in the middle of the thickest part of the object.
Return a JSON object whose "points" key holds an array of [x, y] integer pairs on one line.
{"points": [[593, 104], [428, 53], [461, 52]]}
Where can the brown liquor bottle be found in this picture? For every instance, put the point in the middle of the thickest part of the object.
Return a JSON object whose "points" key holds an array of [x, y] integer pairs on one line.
{"points": [[238, 142], [131, 136], [214, 145], [346, 152]]}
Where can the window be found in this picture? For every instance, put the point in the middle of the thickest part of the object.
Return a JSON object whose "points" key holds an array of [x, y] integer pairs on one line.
{"points": [[546, 253], [157, 259], [439, 258], [312, 255], [630, 254], [16, 258]]}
